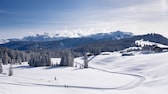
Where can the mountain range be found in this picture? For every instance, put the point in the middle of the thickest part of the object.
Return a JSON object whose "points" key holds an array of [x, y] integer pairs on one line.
{"points": [[61, 41], [56, 37], [112, 41]]}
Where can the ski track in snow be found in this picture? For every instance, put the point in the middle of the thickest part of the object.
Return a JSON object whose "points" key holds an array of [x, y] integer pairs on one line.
{"points": [[139, 80], [133, 84], [2, 91]]}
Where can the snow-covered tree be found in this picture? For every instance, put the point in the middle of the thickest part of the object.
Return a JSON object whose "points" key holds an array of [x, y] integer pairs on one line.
{"points": [[5, 58], [10, 70], [18, 58], [67, 59], [85, 60], [1, 69], [40, 59]]}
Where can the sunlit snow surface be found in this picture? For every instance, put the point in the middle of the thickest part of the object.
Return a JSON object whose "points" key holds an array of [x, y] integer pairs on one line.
{"points": [[143, 43], [109, 73]]}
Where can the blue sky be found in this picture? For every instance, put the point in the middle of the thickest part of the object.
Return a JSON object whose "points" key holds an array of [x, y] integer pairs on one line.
{"points": [[20, 17]]}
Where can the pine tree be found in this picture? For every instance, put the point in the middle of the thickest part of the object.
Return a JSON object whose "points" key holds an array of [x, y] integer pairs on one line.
{"points": [[18, 58], [67, 59], [5, 58], [86, 61], [40, 59], [1, 69], [10, 70]]}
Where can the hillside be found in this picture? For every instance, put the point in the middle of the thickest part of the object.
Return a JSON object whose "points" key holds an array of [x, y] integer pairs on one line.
{"points": [[107, 74], [117, 45]]}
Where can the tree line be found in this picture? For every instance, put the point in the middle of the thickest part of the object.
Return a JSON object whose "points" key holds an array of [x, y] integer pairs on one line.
{"points": [[38, 58], [9, 56]]}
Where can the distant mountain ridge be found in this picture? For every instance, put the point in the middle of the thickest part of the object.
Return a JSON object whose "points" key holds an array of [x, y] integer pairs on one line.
{"points": [[113, 35], [56, 37], [101, 41], [43, 37]]}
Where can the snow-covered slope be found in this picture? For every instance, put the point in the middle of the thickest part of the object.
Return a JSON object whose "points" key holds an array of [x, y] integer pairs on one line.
{"points": [[50, 80], [108, 73], [153, 67]]}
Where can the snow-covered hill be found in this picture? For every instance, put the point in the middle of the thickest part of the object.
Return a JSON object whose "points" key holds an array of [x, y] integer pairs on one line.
{"points": [[108, 73]]}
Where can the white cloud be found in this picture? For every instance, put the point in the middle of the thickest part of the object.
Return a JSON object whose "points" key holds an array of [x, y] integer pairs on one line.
{"points": [[140, 19]]}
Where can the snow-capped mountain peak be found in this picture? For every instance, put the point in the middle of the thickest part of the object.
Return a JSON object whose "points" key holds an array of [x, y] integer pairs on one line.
{"points": [[52, 36], [3, 41], [113, 35], [76, 34]]}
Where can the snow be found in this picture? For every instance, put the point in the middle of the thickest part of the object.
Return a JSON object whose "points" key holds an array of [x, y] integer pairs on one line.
{"points": [[3, 41], [143, 43], [65, 34], [108, 73], [55, 60], [33, 78], [132, 48]]}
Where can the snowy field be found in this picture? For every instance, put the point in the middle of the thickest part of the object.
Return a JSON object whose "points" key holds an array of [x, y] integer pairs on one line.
{"points": [[108, 73]]}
